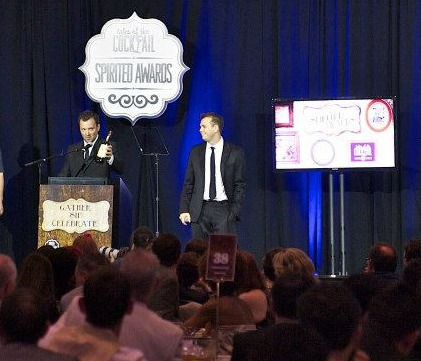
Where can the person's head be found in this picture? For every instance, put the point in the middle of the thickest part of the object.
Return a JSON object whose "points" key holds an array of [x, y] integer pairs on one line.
{"points": [[364, 287], [334, 312], [141, 237], [23, 317], [268, 270], [167, 248], [249, 276], [89, 125], [211, 125], [295, 342], [187, 269], [88, 263], [286, 290], [8, 275], [395, 316], [412, 250], [412, 275], [293, 260], [85, 243], [197, 245], [64, 261], [140, 267], [106, 297], [36, 272], [381, 258]]}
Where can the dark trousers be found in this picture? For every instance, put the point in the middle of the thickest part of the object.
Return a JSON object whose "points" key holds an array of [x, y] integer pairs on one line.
{"points": [[215, 218]]}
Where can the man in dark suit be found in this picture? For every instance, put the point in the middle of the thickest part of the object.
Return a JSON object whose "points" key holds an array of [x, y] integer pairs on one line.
{"points": [[82, 159], [214, 183]]}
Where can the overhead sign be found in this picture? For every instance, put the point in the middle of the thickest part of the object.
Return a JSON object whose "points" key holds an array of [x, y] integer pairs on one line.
{"points": [[134, 68]]}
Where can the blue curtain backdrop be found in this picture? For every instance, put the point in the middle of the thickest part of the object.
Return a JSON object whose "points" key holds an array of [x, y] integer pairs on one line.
{"points": [[241, 55]]}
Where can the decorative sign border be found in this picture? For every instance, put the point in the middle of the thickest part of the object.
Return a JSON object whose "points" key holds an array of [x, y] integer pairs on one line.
{"points": [[134, 68]]}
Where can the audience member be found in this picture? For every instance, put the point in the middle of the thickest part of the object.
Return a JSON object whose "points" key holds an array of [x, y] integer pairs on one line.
{"points": [[164, 298], [233, 311], [363, 287], [412, 275], [263, 344], [106, 299], [335, 313], [393, 324], [188, 276], [412, 251], [143, 329], [36, 273], [86, 264], [142, 237], [293, 259], [64, 261], [8, 275], [250, 286], [285, 342], [285, 293], [382, 259], [23, 321], [198, 246], [191, 295], [85, 243], [268, 269]]}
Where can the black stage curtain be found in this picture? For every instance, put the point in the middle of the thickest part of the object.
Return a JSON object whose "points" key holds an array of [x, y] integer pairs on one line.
{"points": [[241, 55]]}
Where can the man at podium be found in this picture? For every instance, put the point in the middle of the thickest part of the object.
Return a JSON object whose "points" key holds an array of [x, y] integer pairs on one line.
{"points": [[84, 159]]}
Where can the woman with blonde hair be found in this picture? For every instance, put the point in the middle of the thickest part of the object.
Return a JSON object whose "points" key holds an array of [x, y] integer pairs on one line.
{"points": [[293, 260]]}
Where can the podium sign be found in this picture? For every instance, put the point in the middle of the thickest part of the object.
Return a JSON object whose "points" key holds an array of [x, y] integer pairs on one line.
{"points": [[65, 211], [221, 257]]}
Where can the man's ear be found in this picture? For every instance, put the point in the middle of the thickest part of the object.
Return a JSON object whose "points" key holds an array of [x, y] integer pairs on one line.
{"points": [[82, 305]]}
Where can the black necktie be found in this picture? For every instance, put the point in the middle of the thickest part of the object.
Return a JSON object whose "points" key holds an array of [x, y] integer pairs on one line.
{"points": [[212, 186]]}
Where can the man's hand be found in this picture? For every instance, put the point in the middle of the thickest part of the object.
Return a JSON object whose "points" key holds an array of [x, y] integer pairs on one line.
{"points": [[185, 218], [1, 208]]}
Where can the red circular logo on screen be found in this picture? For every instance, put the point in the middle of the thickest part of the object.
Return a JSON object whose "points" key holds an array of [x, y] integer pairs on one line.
{"points": [[379, 115]]}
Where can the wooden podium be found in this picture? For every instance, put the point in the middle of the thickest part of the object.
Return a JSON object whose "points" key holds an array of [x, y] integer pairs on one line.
{"points": [[71, 206]]}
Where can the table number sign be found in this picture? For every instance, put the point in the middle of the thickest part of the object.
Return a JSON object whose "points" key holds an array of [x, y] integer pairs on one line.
{"points": [[221, 257]]}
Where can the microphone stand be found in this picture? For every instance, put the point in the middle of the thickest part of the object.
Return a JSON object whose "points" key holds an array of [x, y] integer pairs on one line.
{"points": [[155, 154], [40, 161]]}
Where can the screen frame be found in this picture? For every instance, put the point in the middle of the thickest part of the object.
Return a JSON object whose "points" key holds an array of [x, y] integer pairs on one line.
{"points": [[279, 100]]}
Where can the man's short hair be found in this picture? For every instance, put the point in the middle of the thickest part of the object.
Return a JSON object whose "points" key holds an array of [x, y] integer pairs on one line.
{"points": [[140, 267], [286, 290], [383, 258], [107, 297], [412, 250], [394, 313], [333, 311], [215, 118], [88, 114], [167, 248], [23, 316], [89, 262], [142, 237], [198, 246]]}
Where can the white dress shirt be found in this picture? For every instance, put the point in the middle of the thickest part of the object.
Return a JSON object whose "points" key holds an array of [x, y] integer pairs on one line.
{"points": [[220, 190]]}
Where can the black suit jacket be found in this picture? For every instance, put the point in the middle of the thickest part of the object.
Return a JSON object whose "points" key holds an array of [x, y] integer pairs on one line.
{"points": [[76, 166], [233, 178]]}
